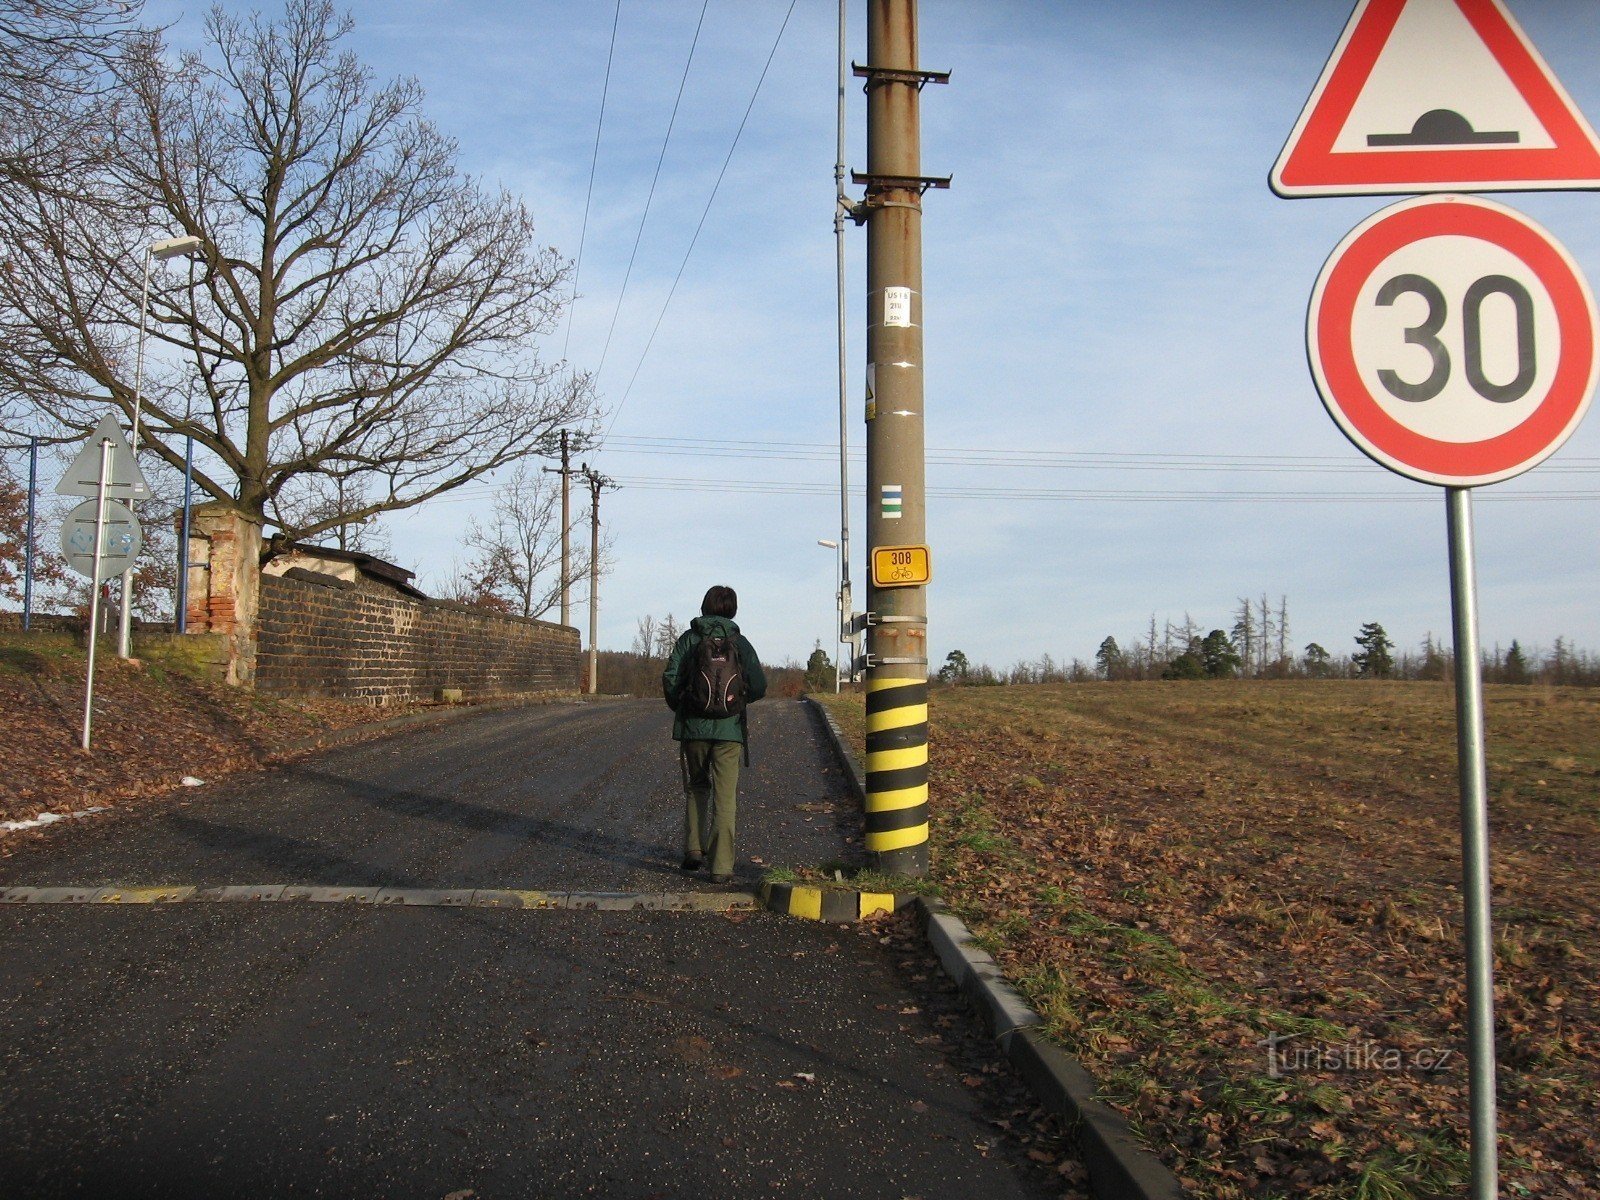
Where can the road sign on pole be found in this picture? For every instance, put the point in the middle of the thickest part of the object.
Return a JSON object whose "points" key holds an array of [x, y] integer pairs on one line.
{"points": [[124, 480], [900, 566], [120, 539], [1453, 340], [1436, 96]]}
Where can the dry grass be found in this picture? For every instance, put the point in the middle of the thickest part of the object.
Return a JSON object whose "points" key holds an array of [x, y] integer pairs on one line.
{"points": [[1176, 872]]}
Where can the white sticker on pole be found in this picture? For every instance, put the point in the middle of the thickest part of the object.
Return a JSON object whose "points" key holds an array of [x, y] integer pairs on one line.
{"points": [[893, 499], [897, 307]]}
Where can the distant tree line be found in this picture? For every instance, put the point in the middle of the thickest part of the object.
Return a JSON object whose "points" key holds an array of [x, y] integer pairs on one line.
{"points": [[1258, 646]]}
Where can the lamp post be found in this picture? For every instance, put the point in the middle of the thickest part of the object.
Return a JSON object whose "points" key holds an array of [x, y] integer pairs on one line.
{"points": [[162, 250], [838, 600]]}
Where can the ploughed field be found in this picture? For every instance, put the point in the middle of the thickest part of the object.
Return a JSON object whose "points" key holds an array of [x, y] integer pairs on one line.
{"points": [[1238, 904]]}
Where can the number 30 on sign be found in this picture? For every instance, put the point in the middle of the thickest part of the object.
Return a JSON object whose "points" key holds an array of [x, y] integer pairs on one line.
{"points": [[900, 566], [1453, 340]]}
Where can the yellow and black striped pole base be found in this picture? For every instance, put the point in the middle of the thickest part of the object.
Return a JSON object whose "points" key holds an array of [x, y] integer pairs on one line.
{"points": [[897, 775]]}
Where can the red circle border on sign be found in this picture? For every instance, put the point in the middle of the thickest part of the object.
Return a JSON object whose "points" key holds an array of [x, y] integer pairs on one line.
{"points": [[1351, 402]]}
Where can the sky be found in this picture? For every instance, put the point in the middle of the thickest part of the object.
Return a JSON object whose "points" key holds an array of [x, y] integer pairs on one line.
{"points": [[1114, 304]]}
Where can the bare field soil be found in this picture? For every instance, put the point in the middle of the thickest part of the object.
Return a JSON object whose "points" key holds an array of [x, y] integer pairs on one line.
{"points": [[151, 727], [1238, 904]]}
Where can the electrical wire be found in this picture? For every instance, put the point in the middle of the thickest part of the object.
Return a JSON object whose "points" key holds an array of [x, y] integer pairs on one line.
{"points": [[645, 216], [1011, 459], [780, 487], [728, 158], [594, 159]]}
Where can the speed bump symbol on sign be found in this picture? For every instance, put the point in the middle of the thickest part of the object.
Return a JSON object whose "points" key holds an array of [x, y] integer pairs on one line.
{"points": [[1453, 340], [901, 566]]}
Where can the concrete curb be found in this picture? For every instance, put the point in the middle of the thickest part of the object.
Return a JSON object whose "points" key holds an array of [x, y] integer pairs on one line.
{"points": [[1120, 1168], [383, 897], [846, 756], [837, 905]]}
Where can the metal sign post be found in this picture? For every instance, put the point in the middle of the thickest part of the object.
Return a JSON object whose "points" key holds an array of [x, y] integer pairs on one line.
{"points": [[1474, 845], [94, 587], [1453, 340], [1433, 382], [27, 566]]}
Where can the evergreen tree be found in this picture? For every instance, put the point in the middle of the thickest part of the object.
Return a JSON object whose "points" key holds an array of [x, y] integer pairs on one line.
{"points": [[1188, 665], [1316, 661], [1109, 657], [819, 670], [1374, 660], [1218, 656], [956, 668], [1515, 669]]}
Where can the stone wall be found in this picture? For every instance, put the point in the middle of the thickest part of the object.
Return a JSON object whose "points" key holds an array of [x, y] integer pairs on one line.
{"points": [[320, 636]]}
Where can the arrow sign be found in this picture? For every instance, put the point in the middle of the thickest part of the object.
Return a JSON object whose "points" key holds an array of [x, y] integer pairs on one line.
{"points": [[126, 481], [1436, 96]]}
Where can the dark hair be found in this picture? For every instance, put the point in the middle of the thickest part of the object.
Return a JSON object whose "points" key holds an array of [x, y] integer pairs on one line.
{"points": [[719, 602]]}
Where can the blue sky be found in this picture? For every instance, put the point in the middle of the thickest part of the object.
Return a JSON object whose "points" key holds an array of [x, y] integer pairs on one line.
{"points": [[1108, 276]]}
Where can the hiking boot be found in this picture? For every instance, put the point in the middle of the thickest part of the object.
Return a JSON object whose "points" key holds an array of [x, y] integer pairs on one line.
{"points": [[690, 863]]}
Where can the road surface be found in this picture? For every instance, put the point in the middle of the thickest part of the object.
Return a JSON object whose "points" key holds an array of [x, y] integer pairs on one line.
{"points": [[299, 1049]]}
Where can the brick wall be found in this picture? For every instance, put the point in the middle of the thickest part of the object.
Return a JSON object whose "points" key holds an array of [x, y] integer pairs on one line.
{"points": [[318, 636]]}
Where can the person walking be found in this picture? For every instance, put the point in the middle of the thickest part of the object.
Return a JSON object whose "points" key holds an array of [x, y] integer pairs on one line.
{"points": [[712, 675]]}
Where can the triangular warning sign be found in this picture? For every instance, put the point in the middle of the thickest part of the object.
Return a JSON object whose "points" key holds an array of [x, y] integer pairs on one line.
{"points": [[1436, 96], [124, 480]]}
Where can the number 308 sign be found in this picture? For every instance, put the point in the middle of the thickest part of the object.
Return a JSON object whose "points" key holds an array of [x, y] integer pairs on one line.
{"points": [[1453, 340]]}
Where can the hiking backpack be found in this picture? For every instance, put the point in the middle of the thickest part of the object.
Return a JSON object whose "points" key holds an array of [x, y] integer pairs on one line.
{"points": [[716, 687]]}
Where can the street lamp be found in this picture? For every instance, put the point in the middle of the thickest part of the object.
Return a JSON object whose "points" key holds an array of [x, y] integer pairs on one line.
{"points": [[838, 597], [162, 250]]}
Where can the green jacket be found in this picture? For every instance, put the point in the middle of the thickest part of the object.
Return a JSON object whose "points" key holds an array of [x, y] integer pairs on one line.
{"points": [[673, 679]]}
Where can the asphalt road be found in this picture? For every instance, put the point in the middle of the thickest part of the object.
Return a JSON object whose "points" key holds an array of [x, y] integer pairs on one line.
{"points": [[243, 1050]]}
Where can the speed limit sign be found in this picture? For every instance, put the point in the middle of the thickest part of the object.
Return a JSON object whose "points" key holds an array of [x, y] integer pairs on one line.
{"points": [[1453, 340]]}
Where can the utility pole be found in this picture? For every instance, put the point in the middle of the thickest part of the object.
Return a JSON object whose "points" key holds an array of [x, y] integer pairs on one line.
{"points": [[897, 635], [845, 640], [597, 484], [565, 471]]}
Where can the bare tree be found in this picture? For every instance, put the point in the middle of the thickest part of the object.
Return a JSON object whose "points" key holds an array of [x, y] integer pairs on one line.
{"points": [[667, 634], [1244, 636], [519, 550], [319, 498], [644, 639], [361, 308], [55, 68]]}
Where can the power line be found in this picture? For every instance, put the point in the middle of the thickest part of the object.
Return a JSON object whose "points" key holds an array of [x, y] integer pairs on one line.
{"points": [[594, 159], [1045, 459], [738, 133], [778, 487], [645, 216]]}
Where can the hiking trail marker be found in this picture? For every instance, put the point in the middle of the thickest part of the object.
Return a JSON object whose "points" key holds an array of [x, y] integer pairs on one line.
{"points": [[1453, 340], [1436, 96]]}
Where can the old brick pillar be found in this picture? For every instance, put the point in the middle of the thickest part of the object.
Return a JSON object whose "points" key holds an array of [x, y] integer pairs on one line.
{"points": [[225, 582]]}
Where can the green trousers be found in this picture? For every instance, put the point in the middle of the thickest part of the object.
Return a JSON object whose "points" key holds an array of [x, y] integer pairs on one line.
{"points": [[711, 802]]}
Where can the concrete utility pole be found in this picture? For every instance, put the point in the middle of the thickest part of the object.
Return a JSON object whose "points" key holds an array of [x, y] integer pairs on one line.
{"points": [[597, 484], [565, 471], [897, 636]]}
